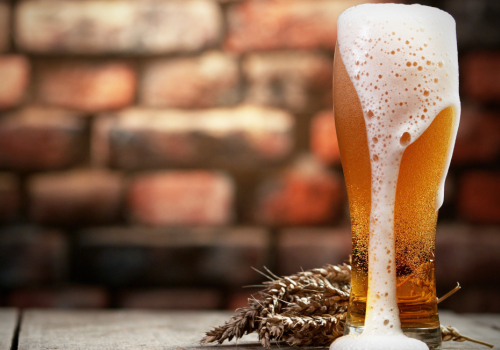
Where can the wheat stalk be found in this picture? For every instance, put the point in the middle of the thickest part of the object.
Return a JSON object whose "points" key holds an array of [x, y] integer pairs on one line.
{"points": [[242, 322], [451, 333], [305, 309]]}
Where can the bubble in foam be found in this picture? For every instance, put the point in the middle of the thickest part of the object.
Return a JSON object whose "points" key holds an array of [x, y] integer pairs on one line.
{"points": [[405, 139]]}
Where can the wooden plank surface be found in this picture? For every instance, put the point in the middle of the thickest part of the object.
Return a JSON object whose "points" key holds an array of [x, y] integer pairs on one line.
{"points": [[473, 327], [92, 330], [492, 320], [8, 324]]}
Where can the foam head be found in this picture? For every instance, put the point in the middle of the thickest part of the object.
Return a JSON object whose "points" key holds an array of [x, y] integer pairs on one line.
{"points": [[403, 62]]}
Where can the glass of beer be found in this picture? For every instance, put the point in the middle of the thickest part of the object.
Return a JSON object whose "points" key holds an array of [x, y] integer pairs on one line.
{"points": [[397, 111]]}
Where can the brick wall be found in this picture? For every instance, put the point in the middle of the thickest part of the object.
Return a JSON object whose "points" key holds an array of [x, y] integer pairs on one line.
{"points": [[151, 152]]}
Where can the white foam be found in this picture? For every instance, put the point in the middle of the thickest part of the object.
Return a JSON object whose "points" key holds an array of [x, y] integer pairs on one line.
{"points": [[403, 63], [377, 342]]}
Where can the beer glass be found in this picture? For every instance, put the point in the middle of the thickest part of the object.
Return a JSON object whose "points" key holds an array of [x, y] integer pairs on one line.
{"points": [[385, 68]]}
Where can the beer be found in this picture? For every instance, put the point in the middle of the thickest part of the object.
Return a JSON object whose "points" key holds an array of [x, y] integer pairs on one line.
{"points": [[415, 212], [397, 109]]}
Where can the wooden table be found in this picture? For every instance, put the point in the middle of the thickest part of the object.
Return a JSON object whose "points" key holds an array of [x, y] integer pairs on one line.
{"points": [[146, 330]]}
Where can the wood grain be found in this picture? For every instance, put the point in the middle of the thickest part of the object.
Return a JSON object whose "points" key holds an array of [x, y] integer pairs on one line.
{"points": [[8, 324], [145, 330], [492, 320], [469, 326], [93, 330]]}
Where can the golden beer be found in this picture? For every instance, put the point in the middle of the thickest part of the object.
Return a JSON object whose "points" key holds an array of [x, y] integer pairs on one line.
{"points": [[415, 217], [397, 111]]}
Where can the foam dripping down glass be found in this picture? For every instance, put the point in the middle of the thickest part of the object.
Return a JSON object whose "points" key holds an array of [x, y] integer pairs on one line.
{"points": [[397, 112]]}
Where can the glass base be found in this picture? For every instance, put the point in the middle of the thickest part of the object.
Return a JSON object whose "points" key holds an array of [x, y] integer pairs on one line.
{"points": [[430, 336]]}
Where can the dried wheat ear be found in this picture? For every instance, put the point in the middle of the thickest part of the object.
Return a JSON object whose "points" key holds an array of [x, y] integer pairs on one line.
{"points": [[308, 308]]}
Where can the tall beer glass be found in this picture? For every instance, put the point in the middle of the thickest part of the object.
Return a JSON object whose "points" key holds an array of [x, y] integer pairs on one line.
{"points": [[397, 111]]}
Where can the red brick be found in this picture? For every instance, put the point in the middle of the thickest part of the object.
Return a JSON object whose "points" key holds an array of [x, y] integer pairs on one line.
{"points": [[479, 197], [284, 24], [477, 24], [40, 139], [324, 142], [140, 138], [101, 140], [4, 26], [14, 74], [308, 248], [450, 193], [10, 197], [306, 194], [298, 81], [206, 81], [472, 299], [481, 76], [467, 254], [178, 299], [107, 26], [240, 299], [171, 256], [66, 297], [86, 86], [477, 138], [75, 197], [181, 198], [31, 256]]}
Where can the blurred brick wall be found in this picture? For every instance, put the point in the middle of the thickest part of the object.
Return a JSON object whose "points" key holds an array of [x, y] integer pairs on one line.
{"points": [[151, 152]]}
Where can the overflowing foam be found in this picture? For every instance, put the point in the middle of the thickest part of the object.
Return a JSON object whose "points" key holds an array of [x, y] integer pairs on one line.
{"points": [[402, 61]]}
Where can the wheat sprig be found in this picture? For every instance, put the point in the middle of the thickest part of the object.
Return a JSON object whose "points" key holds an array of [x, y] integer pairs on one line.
{"points": [[305, 309]]}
